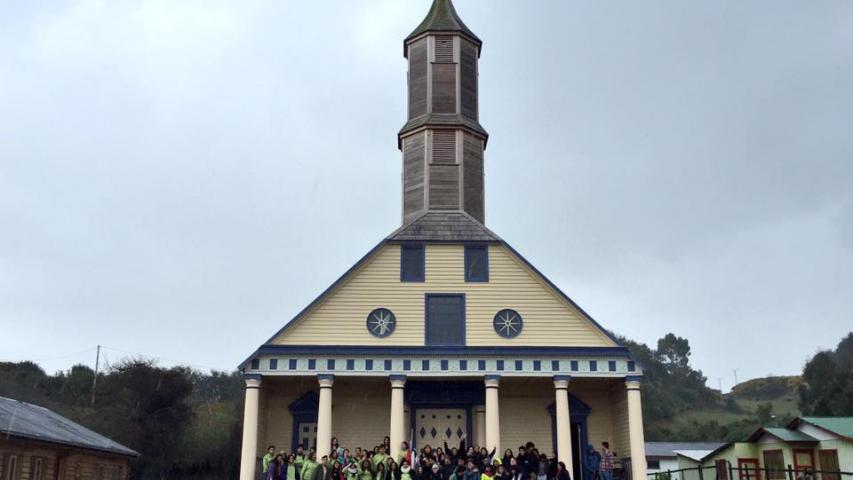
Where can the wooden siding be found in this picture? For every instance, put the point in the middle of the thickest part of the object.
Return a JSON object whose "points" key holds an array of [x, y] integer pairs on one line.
{"points": [[472, 187], [72, 463], [444, 187], [444, 88], [340, 319], [468, 73], [444, 146], [414, 159], [444, 49], [418, 78], [361, 411], [620, 442]]}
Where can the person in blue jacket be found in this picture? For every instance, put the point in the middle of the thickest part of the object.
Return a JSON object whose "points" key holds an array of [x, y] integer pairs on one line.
{"points": [[591, 463]]}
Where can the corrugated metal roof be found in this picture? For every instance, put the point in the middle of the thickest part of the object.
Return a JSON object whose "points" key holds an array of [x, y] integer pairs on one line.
{"points": [[25, 420], [444, 226], [840, 425], [695, 455], [784, 434], [668, 449]]}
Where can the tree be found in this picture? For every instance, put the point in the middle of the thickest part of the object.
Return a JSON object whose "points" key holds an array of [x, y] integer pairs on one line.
{"points": [[827, 387]]}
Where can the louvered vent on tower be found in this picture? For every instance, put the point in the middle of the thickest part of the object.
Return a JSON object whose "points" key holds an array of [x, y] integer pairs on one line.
{"points": [[444, 146], [444, 49]]}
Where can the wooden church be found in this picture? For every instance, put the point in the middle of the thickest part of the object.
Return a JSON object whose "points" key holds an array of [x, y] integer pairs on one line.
{"points": [[443, 331]]}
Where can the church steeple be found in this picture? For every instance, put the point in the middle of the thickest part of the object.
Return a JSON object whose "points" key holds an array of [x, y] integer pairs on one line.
{"points": [[442, 141]]}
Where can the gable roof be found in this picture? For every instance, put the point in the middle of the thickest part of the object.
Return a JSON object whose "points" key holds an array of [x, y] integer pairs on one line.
{"points": [[670, 449], [442, 17], [842, 426], [784, 434], [25, 420], [428, 228], [444, 226]]}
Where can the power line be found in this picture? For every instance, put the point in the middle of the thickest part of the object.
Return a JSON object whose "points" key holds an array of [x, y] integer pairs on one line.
{"points": [[60, 357]]}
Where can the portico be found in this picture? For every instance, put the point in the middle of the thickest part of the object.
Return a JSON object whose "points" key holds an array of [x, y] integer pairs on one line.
{"points": [[558, 412]]}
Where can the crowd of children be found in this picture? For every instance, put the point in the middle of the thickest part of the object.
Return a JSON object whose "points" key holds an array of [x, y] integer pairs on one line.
{"points": [[447, 463]]}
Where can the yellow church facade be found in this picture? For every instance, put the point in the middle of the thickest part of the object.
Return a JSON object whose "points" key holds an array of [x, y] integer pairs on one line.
{"points": [[443, 331]]}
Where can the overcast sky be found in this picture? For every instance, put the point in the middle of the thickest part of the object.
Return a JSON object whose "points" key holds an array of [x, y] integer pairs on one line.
{"points": [[178, 179]]}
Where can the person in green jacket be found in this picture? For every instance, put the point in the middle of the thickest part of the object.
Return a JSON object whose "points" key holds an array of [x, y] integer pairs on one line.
{"points": [[299, 457], [366, 470], [291, 472], [405, 470], [268, 458], [379, 457], [351, 470], [308, 466], [403, 453]]}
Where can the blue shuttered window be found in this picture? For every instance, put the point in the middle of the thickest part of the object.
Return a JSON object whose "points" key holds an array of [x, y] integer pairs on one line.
{"points": [[412, 263], [445, 319], [476, 263]]}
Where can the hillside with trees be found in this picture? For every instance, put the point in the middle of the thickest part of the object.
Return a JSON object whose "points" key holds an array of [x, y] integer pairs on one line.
{"points": [[187, 424]]}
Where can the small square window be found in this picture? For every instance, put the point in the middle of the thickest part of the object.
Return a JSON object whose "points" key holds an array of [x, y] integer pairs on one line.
{"points": [[632, 366], [256, 364], [425, 365], [330, 364], [481, 364], [412, 263], [477, 263], [574, 365], [537, 365], [368, 364], [593, 366], [291, 364], [350, 364], [519, 365], [463, 364], [555, 365], [312, 364], [407, 365], [387, 364], [444, 364], [273, 364], [611, 365], [500, 364]]}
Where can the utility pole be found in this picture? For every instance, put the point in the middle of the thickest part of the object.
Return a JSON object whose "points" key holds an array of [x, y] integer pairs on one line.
{"points": [[95, 380], [735, 372]]}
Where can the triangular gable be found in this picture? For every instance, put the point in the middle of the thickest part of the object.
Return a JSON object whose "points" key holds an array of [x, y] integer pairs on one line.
{"points": [[338, 315]]}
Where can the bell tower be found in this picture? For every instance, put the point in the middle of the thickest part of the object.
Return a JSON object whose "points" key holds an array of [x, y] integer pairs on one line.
{"points": [[442, 141]]}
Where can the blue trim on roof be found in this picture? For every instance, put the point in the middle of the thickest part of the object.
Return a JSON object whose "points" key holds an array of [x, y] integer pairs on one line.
{"points": [[385, 241], [441, 350]]}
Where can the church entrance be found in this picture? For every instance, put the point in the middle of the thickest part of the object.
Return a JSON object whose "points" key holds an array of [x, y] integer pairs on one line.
{"points": [[434, 426], [441, 410]]}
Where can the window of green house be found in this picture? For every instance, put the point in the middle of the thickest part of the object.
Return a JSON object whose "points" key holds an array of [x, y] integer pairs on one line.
{"points": [[774, 462], [829, 463]]}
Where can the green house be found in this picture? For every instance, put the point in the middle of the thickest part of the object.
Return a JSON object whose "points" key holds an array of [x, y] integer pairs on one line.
{"points": [[808, 447]]}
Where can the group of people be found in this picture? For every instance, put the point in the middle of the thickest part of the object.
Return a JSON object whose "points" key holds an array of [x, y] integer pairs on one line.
{"points": [[447, 463]]}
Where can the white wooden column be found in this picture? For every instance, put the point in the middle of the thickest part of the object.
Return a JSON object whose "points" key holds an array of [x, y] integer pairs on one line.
{"points": [[635, 428], [563, 420], [324, 415], [398, 417], [493, 424], [249, 453]]}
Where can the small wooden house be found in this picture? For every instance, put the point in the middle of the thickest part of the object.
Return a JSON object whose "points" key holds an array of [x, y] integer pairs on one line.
{"points": [[38, 444]]}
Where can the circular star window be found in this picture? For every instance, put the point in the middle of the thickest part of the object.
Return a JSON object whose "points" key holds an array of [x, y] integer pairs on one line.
{"points": [[508, 323], [381, 322]]}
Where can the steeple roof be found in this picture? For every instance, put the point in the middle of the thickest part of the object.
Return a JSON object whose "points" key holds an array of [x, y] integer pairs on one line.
{"points": [[442, 17]]}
